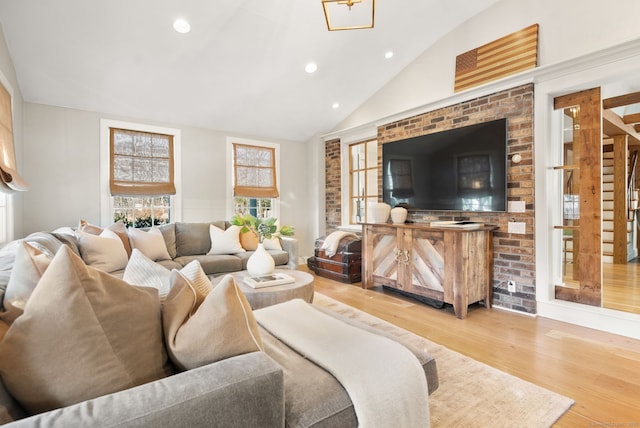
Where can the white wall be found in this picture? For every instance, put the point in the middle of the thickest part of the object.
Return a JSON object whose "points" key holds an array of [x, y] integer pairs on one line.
{"points": [[568, 28], [9, 73], [62, 164]]}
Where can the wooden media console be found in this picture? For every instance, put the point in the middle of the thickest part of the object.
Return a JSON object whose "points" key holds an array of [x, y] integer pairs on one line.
{"points": [[447, 264]]}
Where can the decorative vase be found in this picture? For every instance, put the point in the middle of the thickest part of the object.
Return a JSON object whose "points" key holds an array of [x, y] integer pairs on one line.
{"points": [[260, 262], [398, 215], [379, 212]]}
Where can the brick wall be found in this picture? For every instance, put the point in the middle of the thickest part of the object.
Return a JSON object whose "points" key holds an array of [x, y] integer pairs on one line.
{"points": [[513, 254], [333, 190]]}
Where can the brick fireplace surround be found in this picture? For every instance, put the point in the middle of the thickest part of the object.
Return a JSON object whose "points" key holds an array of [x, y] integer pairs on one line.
{"points": [[513, 254]]}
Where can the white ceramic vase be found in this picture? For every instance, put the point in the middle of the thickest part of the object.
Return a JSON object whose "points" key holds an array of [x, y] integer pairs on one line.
{"points": [[379, 212], [260, 262], [398, 215]]}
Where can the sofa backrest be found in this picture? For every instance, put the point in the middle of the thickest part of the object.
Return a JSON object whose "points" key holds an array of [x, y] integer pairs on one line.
{"points": [[193, 238]]}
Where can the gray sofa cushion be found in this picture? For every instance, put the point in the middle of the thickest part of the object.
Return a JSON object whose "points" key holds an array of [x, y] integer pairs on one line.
{"points": [[246, 390], [214, 263], [193, 238], [169, 235], [313, 397]]}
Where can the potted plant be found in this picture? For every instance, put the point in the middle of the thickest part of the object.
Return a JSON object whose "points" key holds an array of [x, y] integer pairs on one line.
{"points": [[261, 262]]}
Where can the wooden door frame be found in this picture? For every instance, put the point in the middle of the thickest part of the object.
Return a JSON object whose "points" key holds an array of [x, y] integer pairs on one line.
{"points": [[589, 162]]}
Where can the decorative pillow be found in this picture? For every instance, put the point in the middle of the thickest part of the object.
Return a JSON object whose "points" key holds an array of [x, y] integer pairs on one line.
{"points": [[118, 228], [3, 329], [29, 266], [249, 241], [221, 327], [84, 333], [195, 275], [225, 241], [272, 244], [144, 272], [85, 226], [104, 252], [151, 243]]}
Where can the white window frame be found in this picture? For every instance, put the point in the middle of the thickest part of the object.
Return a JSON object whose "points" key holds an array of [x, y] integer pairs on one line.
{"points": [[6, 201], [106, 200], [275, 212]]}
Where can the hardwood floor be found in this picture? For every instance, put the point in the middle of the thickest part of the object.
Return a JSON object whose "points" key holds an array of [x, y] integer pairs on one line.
{"points": [[600, 371], [621, 287]]}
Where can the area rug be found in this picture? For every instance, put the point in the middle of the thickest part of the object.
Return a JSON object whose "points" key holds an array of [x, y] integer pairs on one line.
{"points": [[471, 394]]}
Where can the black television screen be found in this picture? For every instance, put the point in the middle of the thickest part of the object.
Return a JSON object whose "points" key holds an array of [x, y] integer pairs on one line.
{"points": [[462, 169]]}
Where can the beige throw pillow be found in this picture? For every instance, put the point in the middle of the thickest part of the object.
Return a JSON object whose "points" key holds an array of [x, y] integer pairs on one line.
{"points": [[28, 267], [84, 333], [144, 272], [221, 327], [225, 241], [151, 243], [119, 228], [105, 251], [198, 279]]}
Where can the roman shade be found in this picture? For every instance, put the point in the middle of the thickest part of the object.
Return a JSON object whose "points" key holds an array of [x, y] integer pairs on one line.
{"points": [[141, 163], [10, 180], [254, 169]]}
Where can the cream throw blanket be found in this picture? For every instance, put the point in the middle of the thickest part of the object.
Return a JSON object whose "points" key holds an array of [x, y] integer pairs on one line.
{"points": [[331, 242], [384, 380]]}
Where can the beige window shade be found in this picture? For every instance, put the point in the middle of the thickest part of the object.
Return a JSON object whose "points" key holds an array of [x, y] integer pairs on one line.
{"points": [[10, 180], [141, 163], [254, 170]]}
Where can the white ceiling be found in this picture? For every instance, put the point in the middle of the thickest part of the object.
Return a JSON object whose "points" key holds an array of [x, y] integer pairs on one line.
{"points": [[240, 69]]}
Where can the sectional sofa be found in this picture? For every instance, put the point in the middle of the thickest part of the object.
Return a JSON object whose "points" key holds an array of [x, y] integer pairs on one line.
{"points": [[270, 385]]}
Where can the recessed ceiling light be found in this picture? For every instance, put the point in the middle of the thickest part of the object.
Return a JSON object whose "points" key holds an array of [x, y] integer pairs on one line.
{"points": [[388, 54], [311, 67], [335, 105], [181, 26]]}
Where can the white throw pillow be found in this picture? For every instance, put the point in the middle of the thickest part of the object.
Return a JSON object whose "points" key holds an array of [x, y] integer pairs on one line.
{"points": [[105, 252], [225, 241], [151, 243], [144, 272], [272, 244]]}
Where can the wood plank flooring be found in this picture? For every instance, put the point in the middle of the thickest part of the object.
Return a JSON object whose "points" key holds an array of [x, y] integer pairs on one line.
{"points": [[600, 371]]}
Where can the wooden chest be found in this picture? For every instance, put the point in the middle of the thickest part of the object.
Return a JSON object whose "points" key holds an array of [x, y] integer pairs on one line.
{"points": [[345, 266]]}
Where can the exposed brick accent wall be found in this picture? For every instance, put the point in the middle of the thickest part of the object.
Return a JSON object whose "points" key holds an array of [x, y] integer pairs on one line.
{"points": [[333, 191], [513, 253]]}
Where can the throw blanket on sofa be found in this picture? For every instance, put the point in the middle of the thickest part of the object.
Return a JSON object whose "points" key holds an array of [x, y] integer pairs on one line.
{"points": [[384, 380]]}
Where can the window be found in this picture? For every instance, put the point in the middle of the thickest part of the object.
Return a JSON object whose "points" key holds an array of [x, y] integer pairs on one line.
{"points": [[255, 178], [363, 177], [140, 174]]}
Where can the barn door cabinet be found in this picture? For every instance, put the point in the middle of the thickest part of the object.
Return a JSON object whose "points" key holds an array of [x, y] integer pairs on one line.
{"points": [[450, 265]]}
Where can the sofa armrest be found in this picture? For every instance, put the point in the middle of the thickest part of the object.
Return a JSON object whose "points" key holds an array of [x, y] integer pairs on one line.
{"points": [[247, 390], [290, 245]]}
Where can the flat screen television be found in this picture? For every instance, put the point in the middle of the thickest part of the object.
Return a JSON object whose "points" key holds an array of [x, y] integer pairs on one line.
{"points": [[462, 169]]}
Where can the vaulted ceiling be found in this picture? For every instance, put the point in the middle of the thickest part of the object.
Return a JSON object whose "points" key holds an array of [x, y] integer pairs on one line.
{"points": [[240, 69]]}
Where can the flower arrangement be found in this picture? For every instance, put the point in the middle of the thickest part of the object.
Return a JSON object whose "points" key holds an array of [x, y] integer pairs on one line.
{"points": [[263, 228]]}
